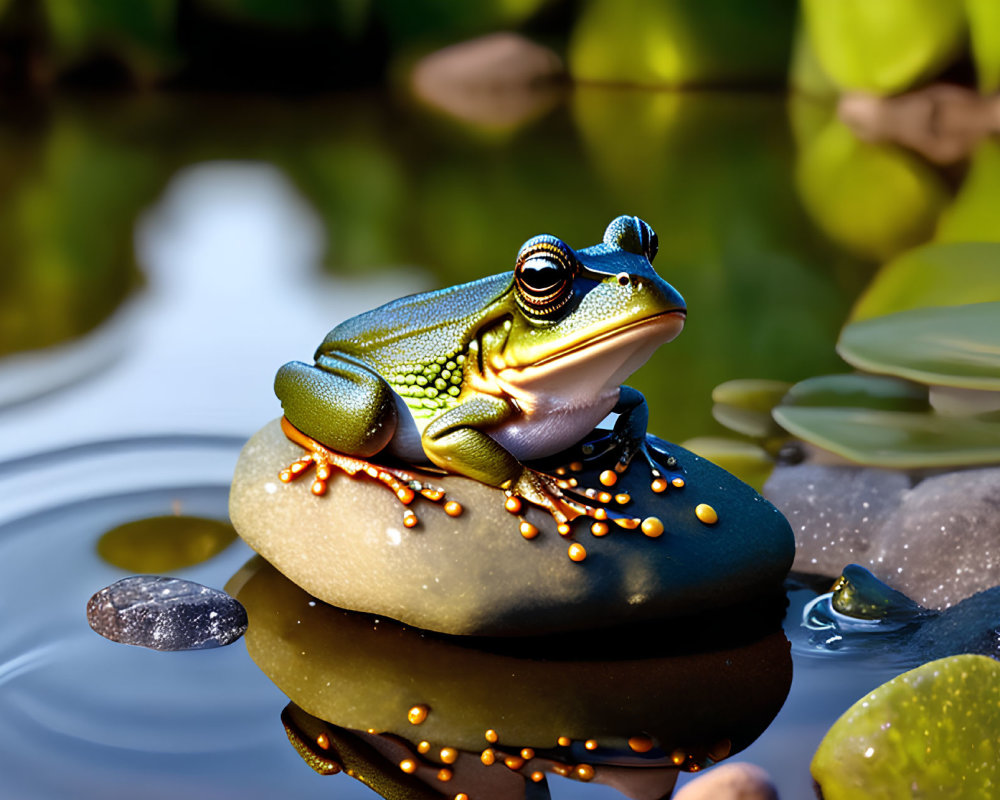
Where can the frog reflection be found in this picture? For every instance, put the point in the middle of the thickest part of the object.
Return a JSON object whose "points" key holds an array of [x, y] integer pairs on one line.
{"points": [[494, 718], [478, 378]]}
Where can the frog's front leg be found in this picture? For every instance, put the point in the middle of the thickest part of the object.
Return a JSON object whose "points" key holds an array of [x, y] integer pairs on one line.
{"points": [[342, 413], [629, 439], [456, 441]]}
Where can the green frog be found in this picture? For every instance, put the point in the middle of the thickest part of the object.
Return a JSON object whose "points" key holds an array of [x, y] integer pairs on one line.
{"points": [[480, 378]]}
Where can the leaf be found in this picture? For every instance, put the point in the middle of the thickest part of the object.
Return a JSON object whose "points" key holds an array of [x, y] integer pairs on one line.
{"points": [[949, 345], [930, 732]]}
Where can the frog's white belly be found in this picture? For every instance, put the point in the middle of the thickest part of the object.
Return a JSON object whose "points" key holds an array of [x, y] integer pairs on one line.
{"points": [[545, 425], [553, 423]]}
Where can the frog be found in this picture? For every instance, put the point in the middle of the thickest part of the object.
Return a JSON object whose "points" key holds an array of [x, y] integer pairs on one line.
{"points": [[482, 378]]}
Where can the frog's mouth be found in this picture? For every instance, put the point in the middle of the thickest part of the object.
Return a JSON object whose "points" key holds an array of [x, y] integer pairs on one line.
{"points": [[671, 321], [602, 361]]}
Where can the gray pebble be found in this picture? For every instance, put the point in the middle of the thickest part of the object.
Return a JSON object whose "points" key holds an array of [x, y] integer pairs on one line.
{"points": [[166, 614], [836, 512], [972, 626]]}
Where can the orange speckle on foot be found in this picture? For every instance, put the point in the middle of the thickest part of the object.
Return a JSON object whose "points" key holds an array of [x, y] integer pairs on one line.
{"points": [[408, 765], [599, 529], [513, 504], [417, 714], [609, 477], [453, 508], [652, 527], [448, 755], [640, 744], [659, 485], [323, 741], [706, 513], [678, 482], [564, 529], [492, 736], [444, 775], [424, 747], [527, 754], [537, 776], [564, 741], [590, 744], [584, 772], [488, 756], [528, 531], [622, 499], [577, 552], [513, 762]]}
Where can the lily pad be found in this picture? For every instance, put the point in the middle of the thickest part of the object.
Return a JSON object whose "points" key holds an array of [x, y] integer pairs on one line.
{"points": [[164, 544], [952, 274], [884, 47], [897, 439], [751, 393], [861, 391], [930, 732], [949, 346], [748, 462]]}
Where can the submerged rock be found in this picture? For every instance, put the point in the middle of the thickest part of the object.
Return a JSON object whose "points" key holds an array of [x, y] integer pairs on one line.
{"points": [[166, 614], [720, 543]]}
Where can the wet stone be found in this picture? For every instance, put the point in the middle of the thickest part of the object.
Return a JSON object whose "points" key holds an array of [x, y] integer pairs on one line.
{"points": [[478, 574], [943, 542], [166, 614], [972, 626], [836, 512]]}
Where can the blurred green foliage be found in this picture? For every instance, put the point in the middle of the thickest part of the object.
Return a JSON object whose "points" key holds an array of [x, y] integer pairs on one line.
{"points": [[880, 47]]}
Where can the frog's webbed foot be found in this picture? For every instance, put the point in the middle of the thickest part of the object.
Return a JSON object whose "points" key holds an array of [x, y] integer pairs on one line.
{"points": [[664, 470], [547, 492], [404, 485]]}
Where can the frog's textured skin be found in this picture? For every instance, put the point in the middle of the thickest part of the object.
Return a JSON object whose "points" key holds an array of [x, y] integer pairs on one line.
{"points": [[480, 377]]}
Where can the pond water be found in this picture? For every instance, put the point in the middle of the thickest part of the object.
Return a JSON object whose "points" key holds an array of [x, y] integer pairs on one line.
{"points": [[164, 255]]}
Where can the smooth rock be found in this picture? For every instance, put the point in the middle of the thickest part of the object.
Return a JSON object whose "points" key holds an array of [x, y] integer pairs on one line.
{"points": [[972, 626], [942, 544], [740, 781], [835, 511], [166, 614], [476, 574]]}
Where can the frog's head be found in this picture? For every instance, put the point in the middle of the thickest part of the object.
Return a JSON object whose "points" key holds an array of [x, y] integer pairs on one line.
{"points": [[591, 316]]}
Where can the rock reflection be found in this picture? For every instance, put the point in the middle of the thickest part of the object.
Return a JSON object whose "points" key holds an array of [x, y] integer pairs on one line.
{"points": [[628, 708]]}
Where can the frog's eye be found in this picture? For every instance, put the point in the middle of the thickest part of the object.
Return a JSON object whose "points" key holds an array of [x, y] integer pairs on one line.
{"points": [[544, 275]]}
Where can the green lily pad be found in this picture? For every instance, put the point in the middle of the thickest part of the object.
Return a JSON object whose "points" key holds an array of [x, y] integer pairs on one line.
{"points": [[930, 732], [753, 394], [984, 33], [952, 274], [950, 346], [886, 46], [748, 462], [859, 391], [160, 545], [875, 200], [895, 439], [755, 424]]}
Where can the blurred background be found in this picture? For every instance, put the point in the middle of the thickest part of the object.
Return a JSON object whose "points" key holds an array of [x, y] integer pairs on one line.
{"points": [[194, 191]]}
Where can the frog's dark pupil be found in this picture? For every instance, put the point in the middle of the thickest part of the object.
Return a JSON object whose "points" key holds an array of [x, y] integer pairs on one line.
{"points": [[541, 274]]}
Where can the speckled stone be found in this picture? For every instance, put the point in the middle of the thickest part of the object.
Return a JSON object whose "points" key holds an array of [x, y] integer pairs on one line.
{"points": [[835, 511], [972, 626], [740, 781], [936, 540], [166, 614], [942, 544], [475, 574]]}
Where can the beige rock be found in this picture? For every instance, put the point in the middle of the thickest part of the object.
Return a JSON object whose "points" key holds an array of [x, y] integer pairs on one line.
{"points": [[476, 574], [740, 781]]}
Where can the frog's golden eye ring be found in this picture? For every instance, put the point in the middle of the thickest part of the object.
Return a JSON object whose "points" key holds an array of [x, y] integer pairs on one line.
{"points": [[543, 275]]}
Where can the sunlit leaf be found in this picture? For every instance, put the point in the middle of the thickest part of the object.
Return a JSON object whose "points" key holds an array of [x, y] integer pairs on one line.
{"points": [[952, 274], [885, 46], [973, 216], [984, 32], [681, 42], [930, 732], [876, 200]]}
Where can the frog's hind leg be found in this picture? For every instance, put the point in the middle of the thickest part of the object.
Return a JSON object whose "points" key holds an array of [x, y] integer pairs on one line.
{"points": [[404, 485]]}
